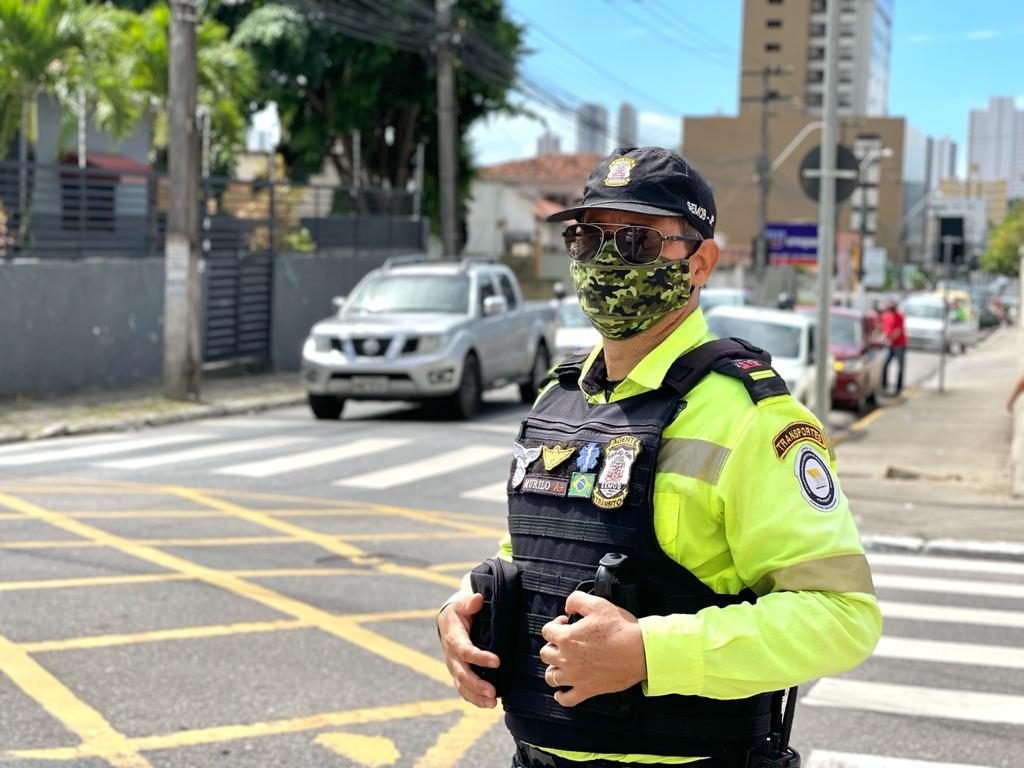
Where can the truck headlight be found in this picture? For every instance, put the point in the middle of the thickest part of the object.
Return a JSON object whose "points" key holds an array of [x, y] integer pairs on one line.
{"points": [[431, 343], [321, 343]]}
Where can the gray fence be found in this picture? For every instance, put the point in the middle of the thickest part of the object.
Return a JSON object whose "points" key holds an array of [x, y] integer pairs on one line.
{"points": [[81, 270]]}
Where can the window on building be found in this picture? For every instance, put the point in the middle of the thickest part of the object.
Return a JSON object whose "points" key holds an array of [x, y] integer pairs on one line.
{"points": [[772, 47], [774, 2], [774, 23]]}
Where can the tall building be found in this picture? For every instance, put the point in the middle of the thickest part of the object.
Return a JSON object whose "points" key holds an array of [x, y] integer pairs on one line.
{"points": [[591, 128], [941, 161], [996, 145], [627, 133], [791, 34], [548, 144]]}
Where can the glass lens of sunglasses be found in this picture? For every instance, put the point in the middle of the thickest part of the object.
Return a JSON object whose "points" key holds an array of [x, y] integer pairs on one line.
{"points": [[638, 245], [583, 241]]}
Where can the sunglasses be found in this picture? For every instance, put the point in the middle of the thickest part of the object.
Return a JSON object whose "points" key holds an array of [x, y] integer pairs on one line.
{"points": [[635, 245]]}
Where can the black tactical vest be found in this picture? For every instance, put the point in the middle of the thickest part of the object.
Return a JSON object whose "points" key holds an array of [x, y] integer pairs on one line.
{"points": [[582, 486]]}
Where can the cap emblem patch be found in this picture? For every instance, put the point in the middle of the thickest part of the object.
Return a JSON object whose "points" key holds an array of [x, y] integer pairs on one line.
{"points": [[618, 172]]}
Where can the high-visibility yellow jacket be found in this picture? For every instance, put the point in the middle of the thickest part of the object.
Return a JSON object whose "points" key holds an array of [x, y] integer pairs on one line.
{"points": [[737, 502]]}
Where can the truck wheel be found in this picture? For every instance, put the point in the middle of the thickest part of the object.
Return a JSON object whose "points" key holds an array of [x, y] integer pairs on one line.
{"points": [[529, 389], [326, 406], [464, 403]]}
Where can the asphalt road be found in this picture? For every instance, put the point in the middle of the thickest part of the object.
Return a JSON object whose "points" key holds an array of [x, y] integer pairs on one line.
{"points": [[260, 591]]}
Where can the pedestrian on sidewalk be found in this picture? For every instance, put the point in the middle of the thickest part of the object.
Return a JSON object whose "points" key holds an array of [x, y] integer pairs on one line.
{"points": [[680, 551], [894, 334]]}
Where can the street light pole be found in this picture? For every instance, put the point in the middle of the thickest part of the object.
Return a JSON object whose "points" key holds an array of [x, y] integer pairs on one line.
{"points": [[826, 215], [948, 241], [446, 127]]}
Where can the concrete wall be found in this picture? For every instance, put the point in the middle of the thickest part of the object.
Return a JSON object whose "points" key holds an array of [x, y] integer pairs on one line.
{"points": [[79, 325]]}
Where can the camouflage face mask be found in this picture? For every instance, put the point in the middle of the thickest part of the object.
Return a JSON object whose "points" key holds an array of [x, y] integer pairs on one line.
{"points": [[623, 300]]}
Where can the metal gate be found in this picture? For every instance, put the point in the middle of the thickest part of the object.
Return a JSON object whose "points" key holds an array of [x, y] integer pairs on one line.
{"points": [[237, 236]]}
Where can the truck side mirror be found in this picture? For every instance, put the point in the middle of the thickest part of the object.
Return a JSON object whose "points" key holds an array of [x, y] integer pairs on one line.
{"points": [[495, 305], [338, 302]]}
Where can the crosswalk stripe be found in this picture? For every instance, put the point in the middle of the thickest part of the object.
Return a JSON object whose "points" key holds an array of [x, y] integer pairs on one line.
{"points": [[496, 492], [100, 449], [821, 758], [952, 586], [498, 429], [948, 652], [204, 452], [946, 563], [917, 701], [315, 458], [26, 446], [440, 464], [892, 609], [239, 422]]}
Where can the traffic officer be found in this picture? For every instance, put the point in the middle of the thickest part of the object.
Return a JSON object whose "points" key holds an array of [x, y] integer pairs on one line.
{"points": [[680, 466]]}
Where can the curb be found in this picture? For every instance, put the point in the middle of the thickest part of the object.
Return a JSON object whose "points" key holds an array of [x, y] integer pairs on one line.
{"points": [[62, 429], [972, 548]]}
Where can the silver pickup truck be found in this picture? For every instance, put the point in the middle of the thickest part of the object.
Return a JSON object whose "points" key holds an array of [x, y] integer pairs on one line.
{"points": [[431, 331]]}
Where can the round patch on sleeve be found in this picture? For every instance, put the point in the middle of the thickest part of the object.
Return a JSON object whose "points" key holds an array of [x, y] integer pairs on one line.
{"points": [[816, 482]]}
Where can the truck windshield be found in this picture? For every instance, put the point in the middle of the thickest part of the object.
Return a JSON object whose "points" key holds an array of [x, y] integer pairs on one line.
{"points": [[412, 293]]}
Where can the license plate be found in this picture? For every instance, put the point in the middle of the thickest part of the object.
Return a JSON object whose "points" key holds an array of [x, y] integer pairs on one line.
{"points": [[373, 385]]}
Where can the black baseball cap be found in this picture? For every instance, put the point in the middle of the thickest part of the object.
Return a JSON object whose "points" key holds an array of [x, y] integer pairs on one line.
{"points": [[651, 180]]}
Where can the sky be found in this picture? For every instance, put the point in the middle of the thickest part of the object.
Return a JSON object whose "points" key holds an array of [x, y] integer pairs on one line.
{"points": [[671, 58]]}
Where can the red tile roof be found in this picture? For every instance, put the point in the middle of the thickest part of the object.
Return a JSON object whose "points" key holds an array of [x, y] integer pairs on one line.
{"points": [[562, 167]]}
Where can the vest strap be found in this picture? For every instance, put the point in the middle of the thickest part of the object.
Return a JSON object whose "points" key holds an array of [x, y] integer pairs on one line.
{"points": [[591, 531], [732, 357]]}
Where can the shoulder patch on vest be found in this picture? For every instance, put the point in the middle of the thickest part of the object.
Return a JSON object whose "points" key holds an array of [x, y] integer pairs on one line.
{"points": [[795, 432], [817, 485], [761, 380]]}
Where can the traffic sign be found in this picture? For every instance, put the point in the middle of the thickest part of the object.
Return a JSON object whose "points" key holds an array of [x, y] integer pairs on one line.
{"points": [[847, 167]]}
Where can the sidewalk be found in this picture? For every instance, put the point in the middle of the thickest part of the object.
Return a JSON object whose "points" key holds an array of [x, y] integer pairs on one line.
{"points": [[932, 472], [144, 406]]}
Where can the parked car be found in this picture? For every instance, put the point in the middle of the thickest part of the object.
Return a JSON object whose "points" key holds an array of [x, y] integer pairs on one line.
{"points": [[432, 331], [856, 344], [723, 297], [788, 336], [925, 318], [574, 332], [964, 326]]}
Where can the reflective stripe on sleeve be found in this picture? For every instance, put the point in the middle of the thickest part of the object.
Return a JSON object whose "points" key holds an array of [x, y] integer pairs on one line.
{"points": [[690, 457], [840, 573]]}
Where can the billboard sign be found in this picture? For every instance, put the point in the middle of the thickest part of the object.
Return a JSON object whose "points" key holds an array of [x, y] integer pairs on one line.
{"points": [[792, 243], [875, 262]]}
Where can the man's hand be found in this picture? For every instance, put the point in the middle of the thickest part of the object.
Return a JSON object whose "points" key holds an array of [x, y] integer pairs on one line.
{"points": [[601, 653], [453, 628]]}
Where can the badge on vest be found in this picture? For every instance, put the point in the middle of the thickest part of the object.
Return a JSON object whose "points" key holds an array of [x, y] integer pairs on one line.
{"points": [[816, 482], [524, 457], [613, 482], [555, 455], [581, 485], [587, 460], [549, 486]]}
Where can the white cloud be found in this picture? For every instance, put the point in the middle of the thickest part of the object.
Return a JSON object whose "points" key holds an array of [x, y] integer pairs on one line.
{"points": [[983, 34], [498, 138], [920, 37]]}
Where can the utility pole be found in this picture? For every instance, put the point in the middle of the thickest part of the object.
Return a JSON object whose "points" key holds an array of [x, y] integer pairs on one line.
{"points": [[182, 353], [447, 126], [826, 215], [763, 166]]}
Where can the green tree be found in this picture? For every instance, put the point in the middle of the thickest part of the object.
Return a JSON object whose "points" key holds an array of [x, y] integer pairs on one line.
{"points": [[1004, 243], [327, 83], [226, 79]]}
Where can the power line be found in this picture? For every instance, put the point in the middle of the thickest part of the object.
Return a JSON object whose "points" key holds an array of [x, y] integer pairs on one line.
{"points": [[659, 33]]}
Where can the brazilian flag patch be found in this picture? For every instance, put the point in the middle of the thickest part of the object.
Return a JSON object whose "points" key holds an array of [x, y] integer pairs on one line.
{"points": [[581, 485]]}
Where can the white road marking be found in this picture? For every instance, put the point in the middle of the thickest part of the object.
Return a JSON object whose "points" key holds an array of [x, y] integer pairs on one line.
{"points": [[100, 449], [948, 652], [952, 586], [204, 452], [498, 429], [917, 701], [495, 492], [441, 464], [936, 563], [952, 614], [25, 446], [247, 422], [821, 758], [319, 457]]}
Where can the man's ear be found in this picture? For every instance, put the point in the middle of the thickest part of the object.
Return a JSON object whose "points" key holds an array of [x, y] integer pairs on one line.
{"points": [[703, 261]]}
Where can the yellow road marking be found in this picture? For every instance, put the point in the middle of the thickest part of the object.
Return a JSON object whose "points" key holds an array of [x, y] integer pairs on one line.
{"points": [[97, 736], [213, 630], [341, 628], [459, 567], [371, 751], [91, 581], [163, 635], [221, 734], [457, 740]]}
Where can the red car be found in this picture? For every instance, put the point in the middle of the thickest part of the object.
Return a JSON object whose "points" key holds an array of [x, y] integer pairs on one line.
{"points": [[856, 343]]}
